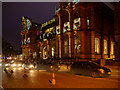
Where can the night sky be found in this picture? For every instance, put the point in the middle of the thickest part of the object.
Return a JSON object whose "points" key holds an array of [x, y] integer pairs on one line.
{"points": [[12, 13]]}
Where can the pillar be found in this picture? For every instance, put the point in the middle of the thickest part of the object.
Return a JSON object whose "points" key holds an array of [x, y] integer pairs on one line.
{"points": [[60, 36], [92, 34], [71, 44]]}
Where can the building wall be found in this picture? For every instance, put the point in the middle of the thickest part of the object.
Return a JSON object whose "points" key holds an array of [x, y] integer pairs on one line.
{"points": [[30, 46], [100, 26], [117, 30]]}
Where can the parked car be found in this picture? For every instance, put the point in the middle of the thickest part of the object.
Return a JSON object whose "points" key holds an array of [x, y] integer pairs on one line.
{"points": [[90, 68]]}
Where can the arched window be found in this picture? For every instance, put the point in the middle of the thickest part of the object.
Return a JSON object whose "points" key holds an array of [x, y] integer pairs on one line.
{"points": [[58, 29], [97, 45], [66, 27], [53, 52], [66, 45], [105, 47], [112, 48], [44, 52], [77, 23], [77, 45]]}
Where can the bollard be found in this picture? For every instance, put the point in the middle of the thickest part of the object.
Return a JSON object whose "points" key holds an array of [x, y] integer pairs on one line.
{"points": [[25, 74], [53, 79]]}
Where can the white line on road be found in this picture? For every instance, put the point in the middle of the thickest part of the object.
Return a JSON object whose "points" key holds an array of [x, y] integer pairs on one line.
{"points": [[42, 70]]}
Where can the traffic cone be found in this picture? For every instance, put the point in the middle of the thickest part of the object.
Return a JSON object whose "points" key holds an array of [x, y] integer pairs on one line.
{"points": [[53, 79], [25, 74]]}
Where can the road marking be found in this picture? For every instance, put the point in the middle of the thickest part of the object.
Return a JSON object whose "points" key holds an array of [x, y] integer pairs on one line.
{"points": [[106, 79], [42, 70]]}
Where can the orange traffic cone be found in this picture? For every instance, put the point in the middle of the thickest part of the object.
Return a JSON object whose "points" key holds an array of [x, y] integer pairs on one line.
{"points": [[25, 74], [53, 79]]}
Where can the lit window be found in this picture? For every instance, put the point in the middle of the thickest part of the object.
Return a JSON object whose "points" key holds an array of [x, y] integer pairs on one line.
{"points": [[76, 24], [58, 29], [112, 48], [105, 46], [66, 27], [28, 24], [28, 40], [77, 45], [44, 36], [24, 41], [47, 34], [97, 45], [34, 54], [66, 46], [40, 37], [52, 30], [76, 1], [52, 52], [44, 52], [47, 30]]}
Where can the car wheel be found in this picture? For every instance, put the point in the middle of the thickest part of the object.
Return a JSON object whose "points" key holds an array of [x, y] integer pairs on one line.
{"points": [[94, 74]]}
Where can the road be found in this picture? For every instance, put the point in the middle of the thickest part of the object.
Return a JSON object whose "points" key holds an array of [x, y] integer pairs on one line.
{"points": [[63, 79]]}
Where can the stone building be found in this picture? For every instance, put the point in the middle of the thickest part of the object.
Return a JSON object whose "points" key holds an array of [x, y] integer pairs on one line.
{"points": [[29, 39], [78, 31]]}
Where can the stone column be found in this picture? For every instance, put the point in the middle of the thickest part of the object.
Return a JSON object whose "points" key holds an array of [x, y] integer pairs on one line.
{"points": [[60, 47], [92, 37], [117, 30], [60, 36], [47, 54], [70, 12]]}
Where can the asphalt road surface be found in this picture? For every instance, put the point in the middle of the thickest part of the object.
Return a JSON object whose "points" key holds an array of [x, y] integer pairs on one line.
{"points": [[40, 79]]}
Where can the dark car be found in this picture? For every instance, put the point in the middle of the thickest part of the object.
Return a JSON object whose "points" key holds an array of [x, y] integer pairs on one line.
{"points": [[90, 68]]}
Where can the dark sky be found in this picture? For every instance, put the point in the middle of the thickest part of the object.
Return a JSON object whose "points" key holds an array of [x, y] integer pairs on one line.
{"points": [[12, 13]]}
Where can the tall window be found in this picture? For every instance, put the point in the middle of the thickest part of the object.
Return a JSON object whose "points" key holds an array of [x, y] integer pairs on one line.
{"points": [[34, 54], [66, 27], [28, 40], [52, 52], [112, 48], [77, 45], [88, 21], [105, 47], [58, 29], [97, 45], [24, 41], [44, 52], [66, 46], [77, 23]]}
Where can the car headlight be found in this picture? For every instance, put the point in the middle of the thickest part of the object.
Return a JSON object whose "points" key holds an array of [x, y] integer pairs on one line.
{"points": [[31, 66], [14, 65], [101, 70], [19, 65], [6, 64]]}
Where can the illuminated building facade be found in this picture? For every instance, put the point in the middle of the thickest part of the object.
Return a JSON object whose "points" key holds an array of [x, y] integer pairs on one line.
{"points": [[29, 39], [79, 31], [117, 30]]}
